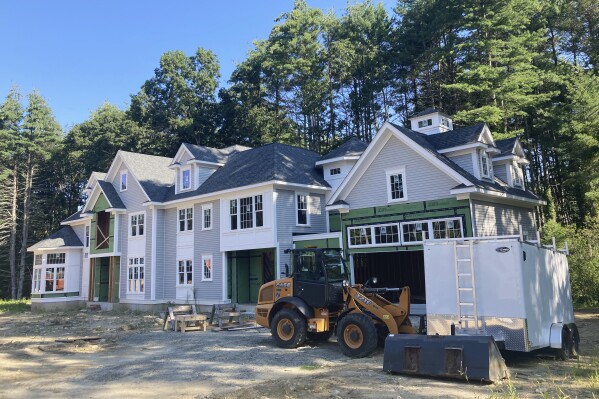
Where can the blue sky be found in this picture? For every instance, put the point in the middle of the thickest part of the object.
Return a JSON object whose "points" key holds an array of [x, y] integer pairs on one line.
{"points": [[79, 54]]}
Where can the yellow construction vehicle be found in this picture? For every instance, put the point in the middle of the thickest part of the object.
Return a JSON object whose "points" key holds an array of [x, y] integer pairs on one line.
{"points": [[316, 300]]}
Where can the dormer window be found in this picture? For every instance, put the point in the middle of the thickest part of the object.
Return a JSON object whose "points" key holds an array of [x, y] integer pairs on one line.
{"points": [[485, 165], [517, 176], [335, 171], [445, 122], [123, 181], [425, 123], [185, 179]]}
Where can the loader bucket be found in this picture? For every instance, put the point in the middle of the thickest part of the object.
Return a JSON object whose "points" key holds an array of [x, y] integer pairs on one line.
{"points": [[473, 358]]}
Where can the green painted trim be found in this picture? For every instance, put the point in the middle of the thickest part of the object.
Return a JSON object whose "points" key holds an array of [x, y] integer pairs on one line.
{"points": [[359, 213], [334, 222], [320, 243]]}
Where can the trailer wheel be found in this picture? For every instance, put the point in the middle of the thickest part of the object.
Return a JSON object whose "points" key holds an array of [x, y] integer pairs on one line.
{"points": [[288, 328], [320, 336], [357, 336], [565, 352]]}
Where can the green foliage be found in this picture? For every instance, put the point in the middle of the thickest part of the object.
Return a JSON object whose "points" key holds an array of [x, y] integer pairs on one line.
{"points": [[15, 306]]}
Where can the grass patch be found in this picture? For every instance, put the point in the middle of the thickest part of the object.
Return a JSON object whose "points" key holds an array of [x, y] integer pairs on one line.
{"points": [[310, 367], [15, 306]]}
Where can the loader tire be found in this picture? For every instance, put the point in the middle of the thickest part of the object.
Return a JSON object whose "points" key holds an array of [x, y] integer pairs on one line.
{"points": [[357, 336], [320, 336], [288, 328]]}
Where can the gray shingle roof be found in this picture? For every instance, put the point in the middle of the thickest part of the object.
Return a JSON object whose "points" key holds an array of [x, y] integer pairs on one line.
{"points": [[152, 172], [258, 165], [351, 147], [111, 195], [74, 216], [215, 155], [65, 237], [456, 137], [506, 146], [423, 141]]}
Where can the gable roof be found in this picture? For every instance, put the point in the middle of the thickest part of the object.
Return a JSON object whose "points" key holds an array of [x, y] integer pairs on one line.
{"points": [[352, 147], [73, 217], [507, 146], [151, 172], [111, 195], [65, 237], [457, 137], [467, 180], [271, 162]]}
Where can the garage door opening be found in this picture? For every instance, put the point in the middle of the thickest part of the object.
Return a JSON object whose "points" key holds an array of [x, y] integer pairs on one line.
{"points": [[393, 269]]}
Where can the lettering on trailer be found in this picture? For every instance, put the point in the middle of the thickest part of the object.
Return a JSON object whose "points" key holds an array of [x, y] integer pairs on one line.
{"points": [[502, 249]]}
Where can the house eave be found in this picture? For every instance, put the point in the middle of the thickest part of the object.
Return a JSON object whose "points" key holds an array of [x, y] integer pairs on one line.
{"points": [[468, 192], [337, 159]]}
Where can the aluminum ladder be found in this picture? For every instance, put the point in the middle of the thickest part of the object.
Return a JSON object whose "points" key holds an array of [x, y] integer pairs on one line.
{"points": [[465, 285]]}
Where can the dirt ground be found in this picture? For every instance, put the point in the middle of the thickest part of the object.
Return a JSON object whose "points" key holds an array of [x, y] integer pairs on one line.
{"points": [[135, 358]]}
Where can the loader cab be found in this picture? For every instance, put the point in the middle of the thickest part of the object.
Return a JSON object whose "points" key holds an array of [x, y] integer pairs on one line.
{"points": [[318, 276]]}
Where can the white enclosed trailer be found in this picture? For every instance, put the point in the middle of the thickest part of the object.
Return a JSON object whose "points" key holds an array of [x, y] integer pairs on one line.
{"points": [[515, 291]]}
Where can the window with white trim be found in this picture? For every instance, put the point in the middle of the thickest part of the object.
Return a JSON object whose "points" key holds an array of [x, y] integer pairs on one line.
{"points": [[37, 260], [301, 201], [54, 279], [233, 214], [123, 186], [485, 165], [259, 210], [425, 123], [246, 213], [517, 176], [135, 276], [185, 272], [206, 267], [56, 259], [36, 281], [360, 236], [185, 179], [206, 217], [447, 228], [87, 236], [335, 171], [249, 213], [413, 232], [396, 185], [186, 219], [386, 234], [137, 225]]}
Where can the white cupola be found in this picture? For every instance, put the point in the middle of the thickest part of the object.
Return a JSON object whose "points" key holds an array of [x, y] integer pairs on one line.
{"points": [[431, 121]]}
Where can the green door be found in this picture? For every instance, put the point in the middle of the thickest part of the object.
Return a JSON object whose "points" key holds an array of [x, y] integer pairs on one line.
{"points": [[255, 277], [241, 279], [104, 278]]}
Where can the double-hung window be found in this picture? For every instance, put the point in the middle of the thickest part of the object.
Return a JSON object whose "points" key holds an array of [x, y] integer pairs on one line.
{"points": [[259, 211], [37, 260], [206, 217], [396, 185], [301, 201], [517, 176], [37, 280], [246, 213], [186, 219], [136, 278], [447, 228], [360, 236], [87, 236], [137, 225], [185, 272], [185, 179], [206, 267], [233, 214]]}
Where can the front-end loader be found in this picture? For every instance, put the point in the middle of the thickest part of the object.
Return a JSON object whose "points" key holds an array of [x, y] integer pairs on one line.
{"points": [[315, 301]]}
